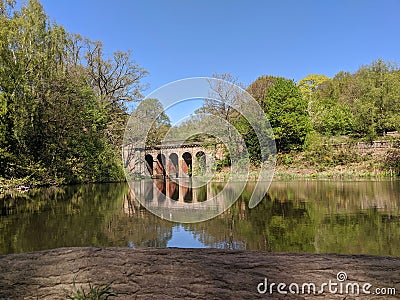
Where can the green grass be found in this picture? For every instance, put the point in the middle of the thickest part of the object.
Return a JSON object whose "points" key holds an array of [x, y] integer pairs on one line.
{"points": [[94, 292]]}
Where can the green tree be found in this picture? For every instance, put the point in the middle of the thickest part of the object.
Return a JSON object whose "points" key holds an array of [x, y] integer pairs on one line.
{"points": [[311, 83], [31, 50], [149, 110], [377, 105], [329, 113], [116, 81], [285, 108], [62, 102], [366, 103]]}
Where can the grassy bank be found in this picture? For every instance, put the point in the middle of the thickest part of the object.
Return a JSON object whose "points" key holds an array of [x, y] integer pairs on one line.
{"points": [[348, 161], [340, 164], [327, 162]]}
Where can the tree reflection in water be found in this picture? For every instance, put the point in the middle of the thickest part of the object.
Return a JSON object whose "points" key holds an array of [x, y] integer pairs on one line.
{"points": [[309, 216]]}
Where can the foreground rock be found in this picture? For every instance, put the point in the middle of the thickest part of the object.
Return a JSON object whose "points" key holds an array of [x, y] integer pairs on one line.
{"points": [[188, 273]]}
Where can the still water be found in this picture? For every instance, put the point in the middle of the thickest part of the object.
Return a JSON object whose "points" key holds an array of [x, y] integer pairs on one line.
{"points": [[348, 217]]}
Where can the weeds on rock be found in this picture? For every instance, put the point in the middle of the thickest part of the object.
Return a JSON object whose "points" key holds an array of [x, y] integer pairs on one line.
{"points": [[95, 292]]}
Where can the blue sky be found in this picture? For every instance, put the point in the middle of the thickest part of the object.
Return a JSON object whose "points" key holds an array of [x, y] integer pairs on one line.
{"points": [[175, 39]]}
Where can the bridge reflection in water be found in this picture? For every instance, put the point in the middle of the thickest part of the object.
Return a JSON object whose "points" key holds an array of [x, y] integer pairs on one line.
{"points": [[158, 189], [185, 199]]}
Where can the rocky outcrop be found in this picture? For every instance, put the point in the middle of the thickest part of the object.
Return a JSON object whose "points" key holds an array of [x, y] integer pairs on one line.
{"points": [[190, 273]]}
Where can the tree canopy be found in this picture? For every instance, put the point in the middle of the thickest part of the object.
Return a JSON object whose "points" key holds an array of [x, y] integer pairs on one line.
{"points": [[285, 108], [364, 104], [62, 101]]}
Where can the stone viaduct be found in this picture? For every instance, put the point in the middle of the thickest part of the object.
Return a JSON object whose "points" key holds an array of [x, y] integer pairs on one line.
{"points": [[170, 160]]}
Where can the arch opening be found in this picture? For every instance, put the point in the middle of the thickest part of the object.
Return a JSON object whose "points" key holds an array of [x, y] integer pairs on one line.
{"points": [[149, 164], [187, 164], [173, 167], [161, 164], [201, 163]]}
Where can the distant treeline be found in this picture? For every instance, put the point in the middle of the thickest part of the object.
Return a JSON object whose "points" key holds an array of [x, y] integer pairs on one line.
{"points": [[364, 104], [361, 105]]}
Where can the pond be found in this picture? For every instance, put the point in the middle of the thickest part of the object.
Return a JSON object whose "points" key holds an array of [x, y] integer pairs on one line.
{"points": [[347, 217]]}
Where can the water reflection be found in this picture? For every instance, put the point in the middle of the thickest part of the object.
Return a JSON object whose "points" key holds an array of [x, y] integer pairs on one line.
{"points": [[157, 190], [183, 236], [180, 190], [186, 200], [301, 216]]}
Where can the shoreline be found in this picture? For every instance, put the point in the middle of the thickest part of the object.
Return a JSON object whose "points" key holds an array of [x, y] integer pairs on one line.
{"points": [[170, 273], [17, 186]]}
